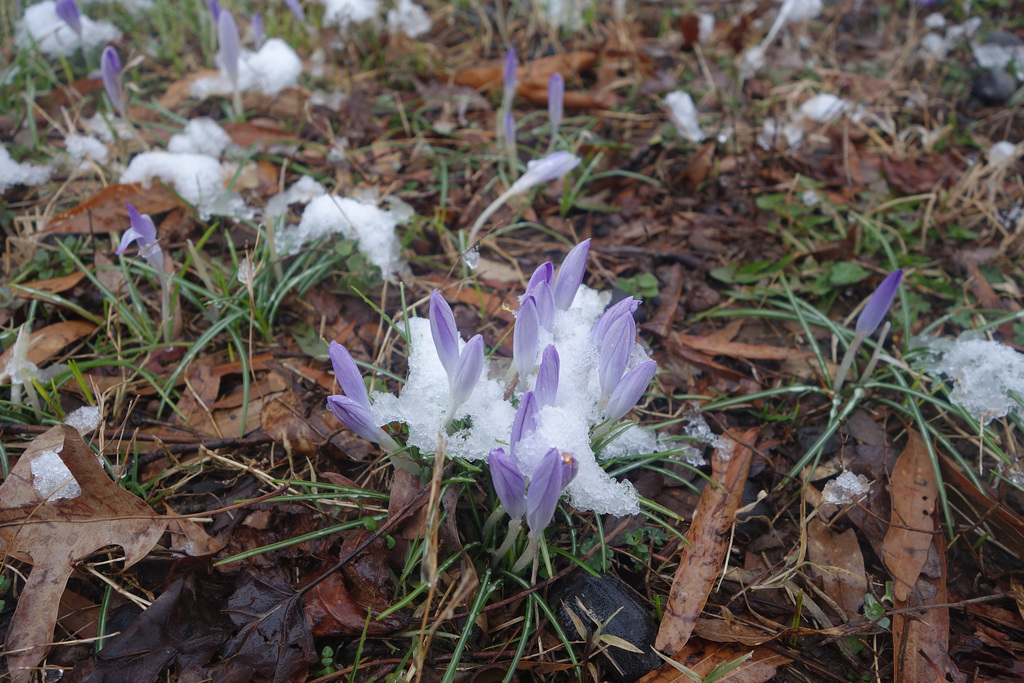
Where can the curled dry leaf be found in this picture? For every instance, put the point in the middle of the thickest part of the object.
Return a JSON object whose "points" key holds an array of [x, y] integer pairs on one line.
{"points": [[837, 562], [106, 210]]}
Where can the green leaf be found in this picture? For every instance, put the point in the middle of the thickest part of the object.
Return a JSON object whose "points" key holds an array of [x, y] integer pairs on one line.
{"points": [[846, 273]]}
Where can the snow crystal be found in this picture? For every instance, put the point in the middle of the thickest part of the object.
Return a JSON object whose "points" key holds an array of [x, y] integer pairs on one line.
{"points": [[823, 108], [269, 71], [13, 173], [246, 271], [684, 115], [332, 100], [751, 62], [52, 479], [302, 191], [705, 26], [410, 19], [844, 488], [935, 21], [792, 12], [999, 57], [983, 373], [373, 228], [1001, 152], [85, 419], [201, 136], [198, 178], [84, 148], [341, 13], [42, 27], [810, 198], [107, 129]]}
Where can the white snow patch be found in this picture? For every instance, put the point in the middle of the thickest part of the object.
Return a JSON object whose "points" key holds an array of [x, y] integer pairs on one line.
{"points": [[84, 148], [935, 21], [270, 70], [983, 373], [52, 479], [1002, 153], [107, 129], [705, 26], [302, 191], [999, 57], [198, 178], [85, 419], [43, 27], [683, 114], [13, 173], [201, 136], [844, 488], [409, 18], [342, 13]]}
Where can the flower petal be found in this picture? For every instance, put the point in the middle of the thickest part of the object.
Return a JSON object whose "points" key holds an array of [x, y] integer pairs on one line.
{"points": [[612, 314], [556, 97], [143, 225], [544, 170], [570, 275], [547, 377], [525, 420], [509, 76], [230, 44], [526, 338], [615, 353], [347, 372], [68, 11], [356, 417], [110, 70], [570, 467], [878, 305], [629, 390], [545, 489], [444, 332], [509, 484], [468, 369], [545, 272]]}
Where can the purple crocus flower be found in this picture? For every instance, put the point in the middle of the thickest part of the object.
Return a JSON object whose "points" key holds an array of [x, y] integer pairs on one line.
{"points": [[230, 46], [526, 338], [357, 418], [444, 332], [296, 9], [214, 10], [347, 372], [525, 420], [556, 99], [570, 275], [467, 370], [110, 68], [629, 390], [256, 25], [68, 11], [546, 388], [625, 307], [509, 80], [554, 472], [878, 305], [615, 353], [545, 299], [509, 484], [544, 170], [545, 272], [142, 230]]}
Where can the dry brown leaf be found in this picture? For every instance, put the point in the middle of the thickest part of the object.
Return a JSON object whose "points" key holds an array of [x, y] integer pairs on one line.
{"points": [[54, 535], [54, 285], [913, 490], [921, 640], [246, 133], [740, 350], [702, 657], [107, 210], [201, 388], [836, 560], [45, 343], [702, 560], [284, 419], [729, 631]]}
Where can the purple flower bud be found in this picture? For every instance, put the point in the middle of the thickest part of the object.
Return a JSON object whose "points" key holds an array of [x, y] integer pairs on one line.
{"points": [[357, 418], [510, 130], [230, 47], [347, 372], [257, 29], [467, 370], [545, 301], [526, 338], [547, 377], [444, 332], [878, 305], [544, 170], [545, 272], [68, 11], [110, 68], [545, 488], [142, 230], [629, 390], [525, 420], [570, 468], [570, 275], [615, 353], [509, 80], [625, 307], [556, 98], [509, 484], [296, 9], [214, 10]]}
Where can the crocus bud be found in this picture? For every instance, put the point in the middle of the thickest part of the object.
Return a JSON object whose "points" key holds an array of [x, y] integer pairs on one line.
{"points": [[257, 29], [546, 388], [230, 48], [142, 230], [296, 10], [545, 272], [467, 370], [509, 79], [509, 484], [444, 332], [556, 97], [526, 337], [625, 307], [570, 275], [358, 419], [878, 305], [214, 10], [544, 170], [615, 353], [545, 488], [629, 390], [570, 468], [545, 300], [525, 420], [347, 372], [110, 68], [68, 11]]}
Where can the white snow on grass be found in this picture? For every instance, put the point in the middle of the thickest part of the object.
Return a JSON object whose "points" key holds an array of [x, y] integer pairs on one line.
{"points": [[302, 191], [201, 136], [341, 13], [409, 18], [844, 488], [43, 27], [198, 178], [84, 149], [683, 114], [984, 373], [12, 173], [371, 227], [275, 67], [107, 128]]}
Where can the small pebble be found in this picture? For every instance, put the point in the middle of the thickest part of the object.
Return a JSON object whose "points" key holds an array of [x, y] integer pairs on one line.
{"points": [[992, 87]]}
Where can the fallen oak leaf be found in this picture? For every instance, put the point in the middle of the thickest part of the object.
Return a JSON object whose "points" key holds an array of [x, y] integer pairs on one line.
{"points": [[53, 533], [107, 210]]}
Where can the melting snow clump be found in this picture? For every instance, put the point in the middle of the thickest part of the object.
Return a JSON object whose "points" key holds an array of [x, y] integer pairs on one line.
{"points": [[198, 178], [983, 373], [201, 136], [52, 478], [84, 149], [341, 13], [1001, 153], [13, 173], [684, 115], [43, 27], [272, 69], [85, 419], [844, 488], [409, 18]]}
